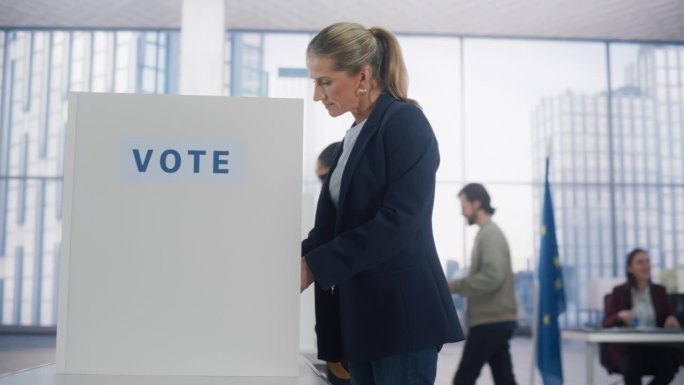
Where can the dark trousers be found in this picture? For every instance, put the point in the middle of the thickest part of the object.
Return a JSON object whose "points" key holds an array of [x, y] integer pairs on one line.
{"points": [[486, 345], [637, 361]]}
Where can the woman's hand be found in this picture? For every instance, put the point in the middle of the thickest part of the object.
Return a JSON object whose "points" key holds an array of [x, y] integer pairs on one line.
{"points": [[306, 276], [626, 316], [671, 322]]}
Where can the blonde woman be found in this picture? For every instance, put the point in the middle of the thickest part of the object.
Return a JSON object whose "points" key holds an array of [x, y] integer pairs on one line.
{"points": [[382, 301]]}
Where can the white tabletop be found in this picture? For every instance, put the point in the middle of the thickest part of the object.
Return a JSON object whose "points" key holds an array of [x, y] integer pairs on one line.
{"points": [[620, 335], [623, 335], [46, 375]]}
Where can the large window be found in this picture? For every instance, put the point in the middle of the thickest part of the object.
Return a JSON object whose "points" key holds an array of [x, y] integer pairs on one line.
{"points": [[37, 70], [499, 107], [648, 147], [611, 116]]}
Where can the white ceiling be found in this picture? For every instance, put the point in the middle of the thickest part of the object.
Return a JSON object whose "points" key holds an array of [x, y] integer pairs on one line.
{"points": [[625, 20]]}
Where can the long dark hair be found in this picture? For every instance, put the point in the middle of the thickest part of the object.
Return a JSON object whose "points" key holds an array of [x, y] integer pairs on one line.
{"points": [[631, 279]]}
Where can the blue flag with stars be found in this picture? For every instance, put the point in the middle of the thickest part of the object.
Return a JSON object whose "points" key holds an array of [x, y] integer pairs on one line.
{"points": [[551, 296]]}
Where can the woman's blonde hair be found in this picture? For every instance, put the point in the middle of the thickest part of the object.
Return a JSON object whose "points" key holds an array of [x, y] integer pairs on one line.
{"points": [[350, 46]]}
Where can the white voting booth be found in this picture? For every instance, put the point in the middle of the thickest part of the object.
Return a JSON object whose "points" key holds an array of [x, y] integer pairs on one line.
{"points": [[181, 236]]}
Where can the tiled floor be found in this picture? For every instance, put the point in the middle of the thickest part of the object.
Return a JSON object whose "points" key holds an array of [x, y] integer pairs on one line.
{"points": [[522, 350], [26, 351], [19, 352]]}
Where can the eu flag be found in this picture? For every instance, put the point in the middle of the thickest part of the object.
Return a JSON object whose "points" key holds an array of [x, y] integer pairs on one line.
{"points": [[551, 296]]}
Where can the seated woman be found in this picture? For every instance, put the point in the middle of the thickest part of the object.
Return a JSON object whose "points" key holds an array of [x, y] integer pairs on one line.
{"points": [[639, 302]]}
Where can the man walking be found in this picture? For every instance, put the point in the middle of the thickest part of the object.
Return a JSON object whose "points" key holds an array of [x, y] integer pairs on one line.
{"points": [[489, 287]]}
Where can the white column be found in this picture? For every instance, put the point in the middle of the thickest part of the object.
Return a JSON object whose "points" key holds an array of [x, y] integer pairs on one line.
{"points": [[202, 47]]}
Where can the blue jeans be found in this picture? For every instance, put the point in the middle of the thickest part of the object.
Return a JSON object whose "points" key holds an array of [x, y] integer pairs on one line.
{"points": [[418, 367]]}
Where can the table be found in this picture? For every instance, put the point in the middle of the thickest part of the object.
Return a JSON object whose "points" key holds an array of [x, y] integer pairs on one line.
{"points": [[613, 335], [46, 375]]}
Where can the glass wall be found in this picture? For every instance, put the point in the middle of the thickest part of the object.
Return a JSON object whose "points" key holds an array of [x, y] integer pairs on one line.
{"points": [[499, 107], [38, 70], [609, 115], [648, 141]]}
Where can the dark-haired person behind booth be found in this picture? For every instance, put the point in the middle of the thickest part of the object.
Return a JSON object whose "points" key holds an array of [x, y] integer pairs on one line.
{"points": [[640, 302], [337, 372], [382, 301], [325, 161]]}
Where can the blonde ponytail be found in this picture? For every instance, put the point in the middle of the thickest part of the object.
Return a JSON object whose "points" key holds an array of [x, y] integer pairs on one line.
{"points": [[350, 46], [391, 69]]}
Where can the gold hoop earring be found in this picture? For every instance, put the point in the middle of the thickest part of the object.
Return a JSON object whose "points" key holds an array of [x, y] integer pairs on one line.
{"points": [[363, 91]]}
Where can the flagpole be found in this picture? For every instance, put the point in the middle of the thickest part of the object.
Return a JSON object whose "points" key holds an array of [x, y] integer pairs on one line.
{"points": [[535, 302]]}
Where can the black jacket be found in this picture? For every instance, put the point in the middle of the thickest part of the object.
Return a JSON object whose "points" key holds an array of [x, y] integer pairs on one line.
{"points": [[380, 288]]}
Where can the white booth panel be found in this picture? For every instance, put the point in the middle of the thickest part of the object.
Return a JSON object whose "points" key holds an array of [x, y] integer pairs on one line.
{"points": [[181, 238]]}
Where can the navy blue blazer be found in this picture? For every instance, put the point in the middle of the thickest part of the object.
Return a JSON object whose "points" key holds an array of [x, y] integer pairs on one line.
{"points": [[380, 288]]}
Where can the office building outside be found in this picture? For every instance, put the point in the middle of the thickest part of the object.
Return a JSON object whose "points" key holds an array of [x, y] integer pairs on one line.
{"points": [[612, 193], [38, 70]]}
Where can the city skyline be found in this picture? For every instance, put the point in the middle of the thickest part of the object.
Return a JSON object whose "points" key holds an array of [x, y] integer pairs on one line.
{"points": [[479, 107], [615, 194]]}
